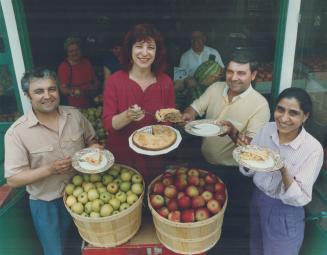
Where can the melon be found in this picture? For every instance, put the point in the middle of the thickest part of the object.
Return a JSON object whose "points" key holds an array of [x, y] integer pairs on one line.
{"points": [[206, 70]]}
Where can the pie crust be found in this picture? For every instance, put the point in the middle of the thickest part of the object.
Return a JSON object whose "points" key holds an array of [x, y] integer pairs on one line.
{"points": [[161, 138], [256, 155], [169, 115], [94, 158]]}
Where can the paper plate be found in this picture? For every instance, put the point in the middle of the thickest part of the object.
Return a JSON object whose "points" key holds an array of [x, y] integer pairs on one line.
{"points": [[154, 153], [80, 165], [273, 163], [204, 128]]}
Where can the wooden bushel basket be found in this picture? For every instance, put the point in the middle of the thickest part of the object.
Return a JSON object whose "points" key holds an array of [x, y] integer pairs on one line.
{"points": [[188, 238], [112, 230]]}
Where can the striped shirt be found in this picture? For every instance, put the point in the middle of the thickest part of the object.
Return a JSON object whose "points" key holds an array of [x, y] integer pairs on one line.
{"points": [[303, 158]]}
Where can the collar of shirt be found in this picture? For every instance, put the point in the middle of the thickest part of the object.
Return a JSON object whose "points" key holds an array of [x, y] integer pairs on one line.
{"points": [[295, 144], [33, 121], [242, 95], [202, 52]]}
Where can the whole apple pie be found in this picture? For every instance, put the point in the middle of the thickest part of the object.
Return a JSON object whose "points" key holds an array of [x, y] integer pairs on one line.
{"points": [[160, 138]]}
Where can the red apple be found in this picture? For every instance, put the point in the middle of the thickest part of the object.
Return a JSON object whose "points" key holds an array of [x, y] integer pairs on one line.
{"points": [[174, 216], [213, 206], [210, 178], [172, 205], [188, 215], [157, 201], [193, 180], [170, 191], [209, 187], [180, 194], [158, 187], [201, 182], [219, 187], [200, 189], [197, 202], [180, 183], [181, 170], [184, 202], [193, 172], [191, 191], [207, 195], [163, 211], [167, 180], [202, 214], [220, 197]]}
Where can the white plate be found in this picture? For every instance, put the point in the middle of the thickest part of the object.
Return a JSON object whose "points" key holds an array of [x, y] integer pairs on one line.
{"points": [[107, 161], [204, 128], [154, 153], [273, 163]]}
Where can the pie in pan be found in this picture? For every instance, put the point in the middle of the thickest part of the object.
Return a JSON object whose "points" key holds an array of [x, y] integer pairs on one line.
{"points": [[160, 137], [169, 115]]}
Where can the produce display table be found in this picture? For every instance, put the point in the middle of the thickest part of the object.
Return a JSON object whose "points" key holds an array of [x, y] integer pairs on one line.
{"points": [[145, 242]]}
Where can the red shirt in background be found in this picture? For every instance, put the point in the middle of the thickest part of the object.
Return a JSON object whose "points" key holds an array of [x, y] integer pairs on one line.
{"points": [[120, 93], [80, 76]]}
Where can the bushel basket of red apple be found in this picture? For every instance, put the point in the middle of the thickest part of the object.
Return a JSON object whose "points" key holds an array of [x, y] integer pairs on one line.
{"points": [[187, 195]]}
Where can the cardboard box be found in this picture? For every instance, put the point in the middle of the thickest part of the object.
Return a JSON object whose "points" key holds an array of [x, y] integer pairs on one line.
{"points": [[145, 242]]}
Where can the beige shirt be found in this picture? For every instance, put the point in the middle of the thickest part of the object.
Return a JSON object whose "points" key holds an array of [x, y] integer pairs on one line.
{"points": [[29, 145], [248, 112]]}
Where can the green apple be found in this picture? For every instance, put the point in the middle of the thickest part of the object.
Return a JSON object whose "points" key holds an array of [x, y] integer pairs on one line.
{"points": [[136, 178], [88, 207], [77, 180], [124, 206], [115, 203], [69, 188], [115, 212], [106, 179], [70, 200], [102, 189], [121, 196], [112, 187], [118, 181], [105, 196], [87, 186], [84, 214], [106, 210], [78, 190], [78, 208], [92, 194], [95, 177], [129, 192], [82, 198], [137, 188], [125, 176], [99, 184], [132, 198], [96, 205], [95, 215], [86, 177], [125, 186]]}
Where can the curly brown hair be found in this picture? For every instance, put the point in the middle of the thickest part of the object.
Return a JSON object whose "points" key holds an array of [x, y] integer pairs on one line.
{"points": [[144, 32]]}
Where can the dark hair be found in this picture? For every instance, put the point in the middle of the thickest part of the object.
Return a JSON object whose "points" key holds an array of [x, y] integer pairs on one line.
{"points": [[143, 32], [300, 95], [244, 57], [36, 74]]}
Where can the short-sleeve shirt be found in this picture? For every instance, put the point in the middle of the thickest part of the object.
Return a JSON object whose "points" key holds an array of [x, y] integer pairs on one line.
{"points": [[190, 60], [30, 145], [248, 112]]}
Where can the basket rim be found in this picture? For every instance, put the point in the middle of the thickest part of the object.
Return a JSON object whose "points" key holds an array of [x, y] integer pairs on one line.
{"points": [[186, 224], [115, 216]]}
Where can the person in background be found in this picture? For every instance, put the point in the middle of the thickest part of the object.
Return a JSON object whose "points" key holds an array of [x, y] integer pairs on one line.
{"points": [[112, 62], [77, 76], [276, 208], [197, 54], [38, 154], [133, 95], [235, 105]]}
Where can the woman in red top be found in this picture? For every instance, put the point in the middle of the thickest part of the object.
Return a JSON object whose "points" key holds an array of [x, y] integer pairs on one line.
{"points": [[141, 86], [77, 76]]}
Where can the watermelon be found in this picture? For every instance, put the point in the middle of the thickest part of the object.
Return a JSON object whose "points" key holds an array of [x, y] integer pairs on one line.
{"points": [[207, 69]]}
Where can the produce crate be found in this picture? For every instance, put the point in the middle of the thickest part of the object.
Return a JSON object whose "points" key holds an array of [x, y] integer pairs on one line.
{"points": [[145, 242]]}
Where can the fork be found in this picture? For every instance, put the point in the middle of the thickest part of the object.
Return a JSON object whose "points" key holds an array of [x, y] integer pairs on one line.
{"points": [[193, 127]]}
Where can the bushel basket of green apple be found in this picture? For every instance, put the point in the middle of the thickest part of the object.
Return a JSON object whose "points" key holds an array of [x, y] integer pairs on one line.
{"points": [[106, 207], [187, 206]]}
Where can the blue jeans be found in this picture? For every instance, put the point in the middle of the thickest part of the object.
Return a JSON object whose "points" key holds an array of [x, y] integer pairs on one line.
{"points": [[53, 225]]}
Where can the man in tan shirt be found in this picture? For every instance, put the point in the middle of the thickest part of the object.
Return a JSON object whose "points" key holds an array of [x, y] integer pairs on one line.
{"points": [[236, 105], [38, 151]]}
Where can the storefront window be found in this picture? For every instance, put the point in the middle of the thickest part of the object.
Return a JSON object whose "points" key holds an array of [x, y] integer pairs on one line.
{"points": [[8, 105], [310, 68]]}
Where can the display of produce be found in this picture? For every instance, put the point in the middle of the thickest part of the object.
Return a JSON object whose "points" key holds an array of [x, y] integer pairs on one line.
{"points": [[265, 72], [187, 195], [105, 194]]}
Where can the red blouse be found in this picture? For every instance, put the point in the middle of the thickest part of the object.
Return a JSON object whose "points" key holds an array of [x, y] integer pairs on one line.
{"points": [[119, 94]]}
